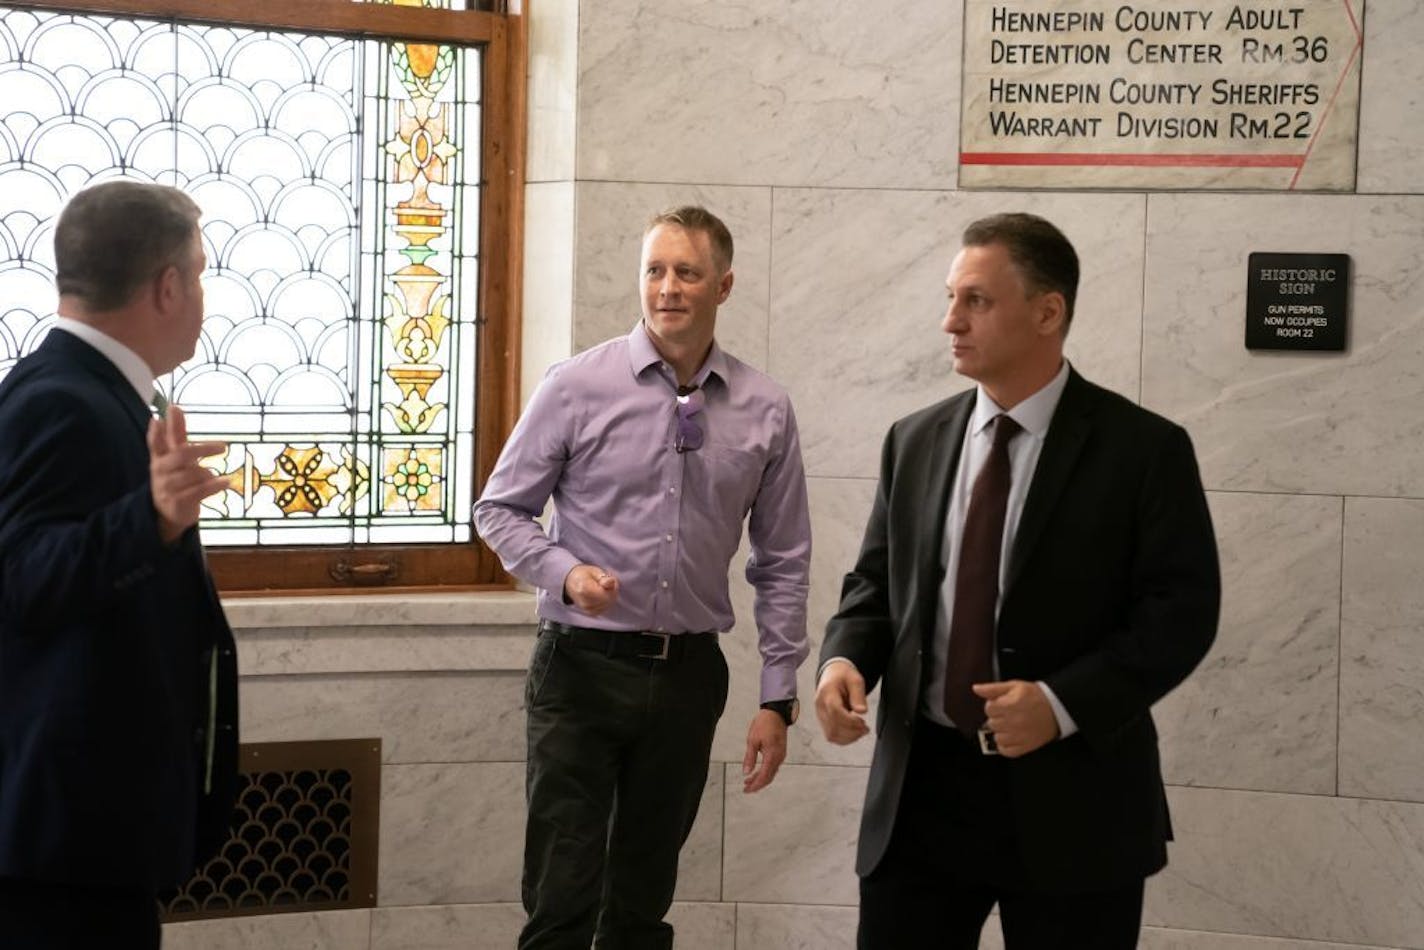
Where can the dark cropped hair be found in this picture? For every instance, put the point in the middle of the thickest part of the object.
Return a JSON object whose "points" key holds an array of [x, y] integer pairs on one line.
{"points": [[1043, 255], [113, 237], [697, 218]]}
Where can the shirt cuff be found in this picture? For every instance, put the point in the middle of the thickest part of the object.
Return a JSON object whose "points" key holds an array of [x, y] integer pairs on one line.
{"points": [[1066, 725], [835, 659], [778, 682]]}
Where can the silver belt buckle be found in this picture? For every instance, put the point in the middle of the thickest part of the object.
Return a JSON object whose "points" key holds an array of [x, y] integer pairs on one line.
{"points": [[987, 744], [663, 655]]}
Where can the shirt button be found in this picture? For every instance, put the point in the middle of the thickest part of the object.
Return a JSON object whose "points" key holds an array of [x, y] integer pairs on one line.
{"points": [[667, 537], [672, 491], [664, 585]]}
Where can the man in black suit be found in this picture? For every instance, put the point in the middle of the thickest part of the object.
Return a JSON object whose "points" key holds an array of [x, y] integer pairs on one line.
{"points": [[118, 679], [1038, 569]]}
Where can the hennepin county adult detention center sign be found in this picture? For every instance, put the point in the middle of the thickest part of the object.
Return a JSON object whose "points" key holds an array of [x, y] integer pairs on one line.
{"points": [[1153, 94]]}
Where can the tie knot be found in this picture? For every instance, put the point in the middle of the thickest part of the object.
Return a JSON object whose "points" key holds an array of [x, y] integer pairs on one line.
{"points": [[1005, 428]]}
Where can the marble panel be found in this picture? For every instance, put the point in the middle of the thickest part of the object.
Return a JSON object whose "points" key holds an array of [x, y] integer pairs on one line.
{"points": [[446, 608], [451, 833], [295, 651], [329, 930], [704, 926], [1392, 98], [858, 298], [839, 508], [425, 717], [808, 820], [546, 332], [1382, 653], [452, 927], [1154, 938], [552, 90], [1279, 421], [1303, 867], [607, 288], [795, 927], [699, 865], [1259, 712], [808, 92]]}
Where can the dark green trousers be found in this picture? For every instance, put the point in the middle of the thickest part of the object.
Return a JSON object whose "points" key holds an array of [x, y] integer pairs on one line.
{"points": [[618, 758]]}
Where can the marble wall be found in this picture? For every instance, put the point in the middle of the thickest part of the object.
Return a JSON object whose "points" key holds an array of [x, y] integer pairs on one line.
{"points": [[826, 133]]}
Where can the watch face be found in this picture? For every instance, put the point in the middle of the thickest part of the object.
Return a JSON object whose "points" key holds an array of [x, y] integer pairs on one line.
{"points": [[795, 710]]}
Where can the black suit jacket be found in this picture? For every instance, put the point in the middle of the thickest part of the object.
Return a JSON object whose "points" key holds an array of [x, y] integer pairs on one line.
{"points": [[106, 636], [1111, 598]]}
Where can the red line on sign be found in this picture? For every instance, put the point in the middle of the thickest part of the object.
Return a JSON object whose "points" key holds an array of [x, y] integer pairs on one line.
{"points": [[1325, 114], [1106, 159]]}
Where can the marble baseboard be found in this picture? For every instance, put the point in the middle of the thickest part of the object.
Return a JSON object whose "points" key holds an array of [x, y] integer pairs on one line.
{"points": [[330, 930], [1295, 867], [452, 927], [386, 649], [1260, 711], [795, 927], [1382, 652], [419, 717], [609, 240]]}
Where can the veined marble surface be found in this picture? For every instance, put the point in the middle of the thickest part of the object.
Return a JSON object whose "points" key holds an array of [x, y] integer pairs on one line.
{"points": [[1392, 98], [607, 282], [807, 820], [548, 318], [1260, 710], [1382, 651], [1304, 867], [857, 293], [807, 92], [552, 91], [1279, 421]]}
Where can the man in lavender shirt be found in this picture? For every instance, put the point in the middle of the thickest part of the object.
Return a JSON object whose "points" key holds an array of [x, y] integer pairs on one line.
{"points": [[654, 448]]}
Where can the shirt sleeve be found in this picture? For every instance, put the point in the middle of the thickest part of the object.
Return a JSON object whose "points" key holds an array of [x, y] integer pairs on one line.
{"points": [[524, 477], [779, 530]]}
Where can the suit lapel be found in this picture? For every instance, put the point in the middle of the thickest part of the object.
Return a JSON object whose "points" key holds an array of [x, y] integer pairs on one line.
{"points": [[1067, 434], [940, 467]]}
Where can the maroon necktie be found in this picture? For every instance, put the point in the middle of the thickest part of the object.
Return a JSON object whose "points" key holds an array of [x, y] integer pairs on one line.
{"points": [[976, 585]]}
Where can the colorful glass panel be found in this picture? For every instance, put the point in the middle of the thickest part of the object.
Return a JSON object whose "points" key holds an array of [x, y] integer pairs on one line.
{"points": [[338, 179]]}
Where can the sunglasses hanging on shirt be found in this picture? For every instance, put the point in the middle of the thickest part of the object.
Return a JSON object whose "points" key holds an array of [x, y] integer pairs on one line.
{"points": [[690, 400]]}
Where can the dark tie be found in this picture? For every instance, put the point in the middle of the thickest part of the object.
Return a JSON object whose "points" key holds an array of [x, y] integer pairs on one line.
{"points": [[976, 585]]}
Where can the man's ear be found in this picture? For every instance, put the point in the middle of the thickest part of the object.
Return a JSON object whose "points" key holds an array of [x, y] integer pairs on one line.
{"points": [[724, 287], [1052, 312], [165, 287]]}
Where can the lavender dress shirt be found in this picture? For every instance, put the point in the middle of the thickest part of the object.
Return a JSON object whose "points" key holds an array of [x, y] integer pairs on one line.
{"points": [[597, 437]]}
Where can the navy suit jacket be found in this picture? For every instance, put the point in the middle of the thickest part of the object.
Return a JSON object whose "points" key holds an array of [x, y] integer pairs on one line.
{"points": [[1111, 598], [106, 637]]}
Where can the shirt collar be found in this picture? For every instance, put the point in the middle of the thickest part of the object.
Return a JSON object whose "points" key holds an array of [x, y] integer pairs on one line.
{"points": [[642, 354], [1033, 414], [133, 366]]}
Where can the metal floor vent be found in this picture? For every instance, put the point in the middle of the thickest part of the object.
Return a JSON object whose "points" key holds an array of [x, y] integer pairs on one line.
{"points": [[304, 835]]}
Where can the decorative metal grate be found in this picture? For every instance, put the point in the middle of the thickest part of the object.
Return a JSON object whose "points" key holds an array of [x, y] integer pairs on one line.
{"points": [[304, 834]]}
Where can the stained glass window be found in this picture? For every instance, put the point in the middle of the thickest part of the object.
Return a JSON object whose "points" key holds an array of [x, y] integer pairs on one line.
{"points": [[340, 183]]}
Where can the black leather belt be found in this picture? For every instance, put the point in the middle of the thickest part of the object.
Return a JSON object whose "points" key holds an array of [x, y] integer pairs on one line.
{"points": [[633, 644]]}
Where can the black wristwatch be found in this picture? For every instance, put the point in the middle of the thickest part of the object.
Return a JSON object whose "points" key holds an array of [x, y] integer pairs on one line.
{"points": [[787, 709]]}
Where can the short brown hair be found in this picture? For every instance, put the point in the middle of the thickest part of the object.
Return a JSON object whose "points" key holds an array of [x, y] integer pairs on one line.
{"points": [[1044, 256], [113, 237], [698, 218]]}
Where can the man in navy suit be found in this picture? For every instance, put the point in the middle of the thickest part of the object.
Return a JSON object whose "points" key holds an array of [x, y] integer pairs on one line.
{"points": [[118, 679], [1039, 568]]}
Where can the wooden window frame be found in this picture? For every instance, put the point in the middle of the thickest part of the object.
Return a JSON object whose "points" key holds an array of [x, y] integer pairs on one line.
{"points": [[503, 35]]}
